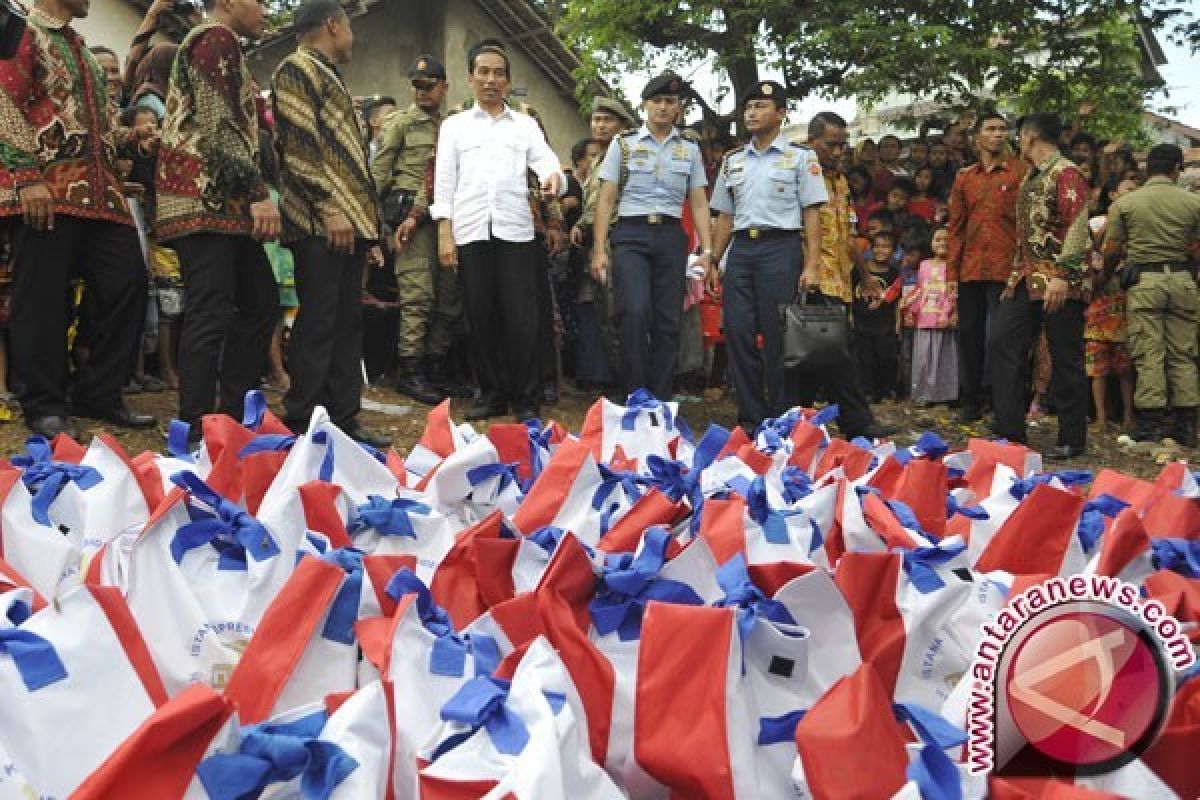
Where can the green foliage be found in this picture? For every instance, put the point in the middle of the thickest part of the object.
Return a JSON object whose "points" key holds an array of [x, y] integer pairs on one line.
{"points": [[956, 53]]}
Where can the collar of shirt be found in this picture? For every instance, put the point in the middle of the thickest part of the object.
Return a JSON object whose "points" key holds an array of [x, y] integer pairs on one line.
{"points": [[779, 143], [47, 20], [480, 113], [1050, 161], [1159, 180], [644, 132], [421, 114], [1003, 164], [323, 60]]}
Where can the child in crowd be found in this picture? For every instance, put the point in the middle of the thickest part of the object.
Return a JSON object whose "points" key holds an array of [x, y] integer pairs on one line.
{"points": [[1105, 353], [875, 342], [861, 199], [903, 291], [935, 343], [866, 154], [898, 195], [924, 200], [918, 155]]}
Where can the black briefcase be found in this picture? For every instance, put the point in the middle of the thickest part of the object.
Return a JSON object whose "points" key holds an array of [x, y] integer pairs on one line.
{"points": [[815, 336], [12, 27]]}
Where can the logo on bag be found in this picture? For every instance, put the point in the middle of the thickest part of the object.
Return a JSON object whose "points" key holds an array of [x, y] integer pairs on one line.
{"points": [[1074, 674]]}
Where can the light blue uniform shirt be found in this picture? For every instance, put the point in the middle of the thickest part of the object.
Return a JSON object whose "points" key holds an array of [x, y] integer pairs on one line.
{"points": [[771, 188], [660, 175]]}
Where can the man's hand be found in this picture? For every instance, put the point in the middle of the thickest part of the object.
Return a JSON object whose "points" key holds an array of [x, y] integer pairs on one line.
{"points": [[447, 253], [404, 234], [576, 236], [556, 242], [810, 279], [37, 203], [267, 223], [1055, 295], [550, 187], [712, 279], [600, 266], [339, 233], [375, 256]]}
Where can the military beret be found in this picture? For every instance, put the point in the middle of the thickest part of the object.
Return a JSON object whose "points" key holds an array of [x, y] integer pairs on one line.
{"points": [[667, 83], [767, 90], [427, 67], [608, 105]]}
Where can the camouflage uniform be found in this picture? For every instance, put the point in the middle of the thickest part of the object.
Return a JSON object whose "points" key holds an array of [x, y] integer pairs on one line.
{"points": [[430, 306]]}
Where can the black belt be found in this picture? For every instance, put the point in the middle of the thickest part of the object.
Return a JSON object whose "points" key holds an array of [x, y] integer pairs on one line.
{"points": [[1164, 266], [651, 219], [764, 233]]}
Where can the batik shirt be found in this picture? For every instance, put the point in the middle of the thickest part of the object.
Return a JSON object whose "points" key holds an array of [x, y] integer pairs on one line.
{"points": [[1052, 227], [56, 125], [208, 173], [836, 266]]}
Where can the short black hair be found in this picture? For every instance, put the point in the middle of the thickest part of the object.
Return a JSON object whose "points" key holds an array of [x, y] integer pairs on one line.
{"points": [[1163, 159], [904, 184], [884, 216], [860, 171], [579, 149], [489, 45], [916, 236], [989, 114], [312, 14], [1083, 137], [885, 137], [1047, 125], [823, 120]]}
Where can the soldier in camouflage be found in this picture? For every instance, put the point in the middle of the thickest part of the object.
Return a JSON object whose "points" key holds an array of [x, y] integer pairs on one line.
{"points": [[609, 118], [430, 307]]}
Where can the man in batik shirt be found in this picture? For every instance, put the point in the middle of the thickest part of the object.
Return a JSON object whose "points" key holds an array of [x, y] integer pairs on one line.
{"points": [[1045, 288]]}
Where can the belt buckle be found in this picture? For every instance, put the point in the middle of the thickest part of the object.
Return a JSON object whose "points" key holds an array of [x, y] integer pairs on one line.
{"points": [[754, 233], [654, 219]]}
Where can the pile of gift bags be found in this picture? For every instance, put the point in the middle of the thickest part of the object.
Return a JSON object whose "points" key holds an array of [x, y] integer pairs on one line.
{"points": [[627, 612]]}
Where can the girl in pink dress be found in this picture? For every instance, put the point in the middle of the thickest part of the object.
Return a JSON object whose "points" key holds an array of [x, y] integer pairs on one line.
{"points": [[935, 345]]}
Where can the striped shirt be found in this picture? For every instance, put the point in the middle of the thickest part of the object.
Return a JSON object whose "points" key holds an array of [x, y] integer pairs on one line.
{"points": [[323, 164]]}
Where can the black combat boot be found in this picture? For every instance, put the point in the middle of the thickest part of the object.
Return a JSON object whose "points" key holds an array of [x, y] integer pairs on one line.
{"points": [[1148, 425], [1184, 429], [441, 380], [411, 381]]}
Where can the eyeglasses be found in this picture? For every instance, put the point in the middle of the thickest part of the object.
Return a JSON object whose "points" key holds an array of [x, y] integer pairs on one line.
{"points": [[424, 86]]}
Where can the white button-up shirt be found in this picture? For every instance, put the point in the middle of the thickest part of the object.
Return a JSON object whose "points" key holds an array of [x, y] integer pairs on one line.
{"points": [[480, 180]]}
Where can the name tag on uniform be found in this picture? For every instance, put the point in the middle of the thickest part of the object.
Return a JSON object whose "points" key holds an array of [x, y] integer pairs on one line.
{"points": [[785, 162], [679, 152]]}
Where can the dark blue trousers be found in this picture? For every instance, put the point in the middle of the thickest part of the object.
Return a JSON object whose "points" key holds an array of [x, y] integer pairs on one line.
{"points": [[760, 276], [648, 284]]}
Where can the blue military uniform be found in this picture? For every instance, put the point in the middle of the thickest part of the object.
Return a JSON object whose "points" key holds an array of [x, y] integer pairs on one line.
{"points": [[766, 193], [650, 247]]}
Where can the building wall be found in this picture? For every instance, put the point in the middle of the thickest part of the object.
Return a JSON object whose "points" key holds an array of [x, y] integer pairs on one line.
{"points": [[467, 24], [110, 23], [390, 36]]}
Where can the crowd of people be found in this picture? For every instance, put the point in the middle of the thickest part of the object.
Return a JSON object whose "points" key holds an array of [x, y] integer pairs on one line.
{"points": [[977, 268]]}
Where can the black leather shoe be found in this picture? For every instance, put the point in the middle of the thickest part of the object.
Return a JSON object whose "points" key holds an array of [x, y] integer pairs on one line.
{"points": [[51, 426], [120, 415], [1064, 452], [358, 433], [411, 382], [485, 410], [529, 412]]}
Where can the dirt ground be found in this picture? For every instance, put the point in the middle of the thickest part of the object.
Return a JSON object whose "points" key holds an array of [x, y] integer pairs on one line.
{"points": [[1103, 449]]}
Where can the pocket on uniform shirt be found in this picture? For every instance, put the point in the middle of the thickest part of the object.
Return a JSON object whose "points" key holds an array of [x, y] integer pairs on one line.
{"points": [[641, 173], [678, 172], [782, 185]]}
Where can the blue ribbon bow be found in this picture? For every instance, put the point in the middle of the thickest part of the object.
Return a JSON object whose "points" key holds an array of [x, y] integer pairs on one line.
{"points": [[388, 517], [481, 703], [343, 612], [826, 415], [920, 565], [970, 512], [1068, 477], [642, 400], [268, 443], [505, 473], [709, 446], [228, 528], [748, 599], [1177, 555], [177, 440], [630, 483], [254, 409], [797, 484], [1091, 520], [771, 521], [934, 773], [34, 657], [449, 654], [276, 753], [46, 478], [539, 447], [930, 445], [630, 582]]}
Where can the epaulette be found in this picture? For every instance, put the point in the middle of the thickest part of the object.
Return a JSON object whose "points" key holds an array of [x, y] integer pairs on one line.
{"points": [[730, 153], [630, 133], [690, 135]]}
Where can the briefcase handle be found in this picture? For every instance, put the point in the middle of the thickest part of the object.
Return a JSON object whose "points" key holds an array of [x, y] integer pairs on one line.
{"points": [[802, 297]]}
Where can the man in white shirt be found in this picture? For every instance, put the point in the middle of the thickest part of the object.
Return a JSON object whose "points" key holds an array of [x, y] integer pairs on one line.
{"points": [[485, 231]]}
